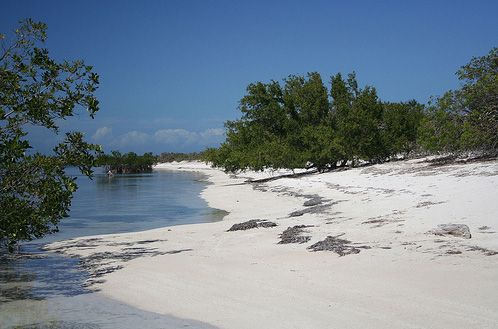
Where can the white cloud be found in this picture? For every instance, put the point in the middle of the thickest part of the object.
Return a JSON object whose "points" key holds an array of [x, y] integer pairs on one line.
{"points": [[185, 137], [176, 136], [102, 135], [212, 134], [133, 138], [164, 139]]}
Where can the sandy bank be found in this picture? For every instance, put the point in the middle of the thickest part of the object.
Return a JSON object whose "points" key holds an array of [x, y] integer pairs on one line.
{"points": [[403, 276]]}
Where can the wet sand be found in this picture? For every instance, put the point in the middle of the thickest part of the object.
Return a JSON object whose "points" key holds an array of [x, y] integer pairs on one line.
{"points": [[86, 311]]}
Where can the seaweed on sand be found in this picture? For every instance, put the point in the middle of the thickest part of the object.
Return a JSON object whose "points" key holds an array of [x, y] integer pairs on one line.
{"points": [[253, 223], [294, 235], [340, 246]]}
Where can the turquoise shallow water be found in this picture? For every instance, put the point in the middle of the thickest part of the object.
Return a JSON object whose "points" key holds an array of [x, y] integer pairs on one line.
{"points": [[44, 290]]}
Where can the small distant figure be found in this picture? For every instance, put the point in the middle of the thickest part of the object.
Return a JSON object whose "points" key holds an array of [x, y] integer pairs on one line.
{"points": [[110, 174]]}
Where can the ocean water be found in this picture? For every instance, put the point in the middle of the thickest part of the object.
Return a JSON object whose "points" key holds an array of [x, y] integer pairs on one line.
{"points": [[43, 290]]}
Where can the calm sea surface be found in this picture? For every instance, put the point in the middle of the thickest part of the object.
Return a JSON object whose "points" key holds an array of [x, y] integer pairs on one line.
{"points": [[43, 290]]}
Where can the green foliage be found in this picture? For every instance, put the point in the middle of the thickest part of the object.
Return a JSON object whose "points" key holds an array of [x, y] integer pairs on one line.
{"points": [[126, 163], [359, 114], [296, 126], [466, 119], [400, 126], [322, 151], [271, 131], [35, 192], [446, 131]]}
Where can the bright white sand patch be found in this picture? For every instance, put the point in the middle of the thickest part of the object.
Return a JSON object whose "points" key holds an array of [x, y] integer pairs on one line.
{"points": [[403, 277]]}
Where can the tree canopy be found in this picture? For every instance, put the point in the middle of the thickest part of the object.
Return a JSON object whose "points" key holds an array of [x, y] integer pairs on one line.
{"points": [[298, 123], [301, 124], [126, 163], [35, 192], [467, 118]]}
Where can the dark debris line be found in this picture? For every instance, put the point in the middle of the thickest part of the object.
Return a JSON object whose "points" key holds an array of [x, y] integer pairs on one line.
{"points": [[340, 246], [253, 223], [294, 235]]}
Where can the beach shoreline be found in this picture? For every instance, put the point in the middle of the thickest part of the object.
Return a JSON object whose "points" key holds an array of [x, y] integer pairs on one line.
{"points": [[384, 267]]}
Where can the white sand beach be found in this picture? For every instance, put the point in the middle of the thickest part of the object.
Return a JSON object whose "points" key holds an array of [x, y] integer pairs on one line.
{"points": [[394, 271]]}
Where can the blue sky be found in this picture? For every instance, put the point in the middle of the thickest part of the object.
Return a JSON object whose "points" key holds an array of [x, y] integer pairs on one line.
{"points": [[173, 71]]}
